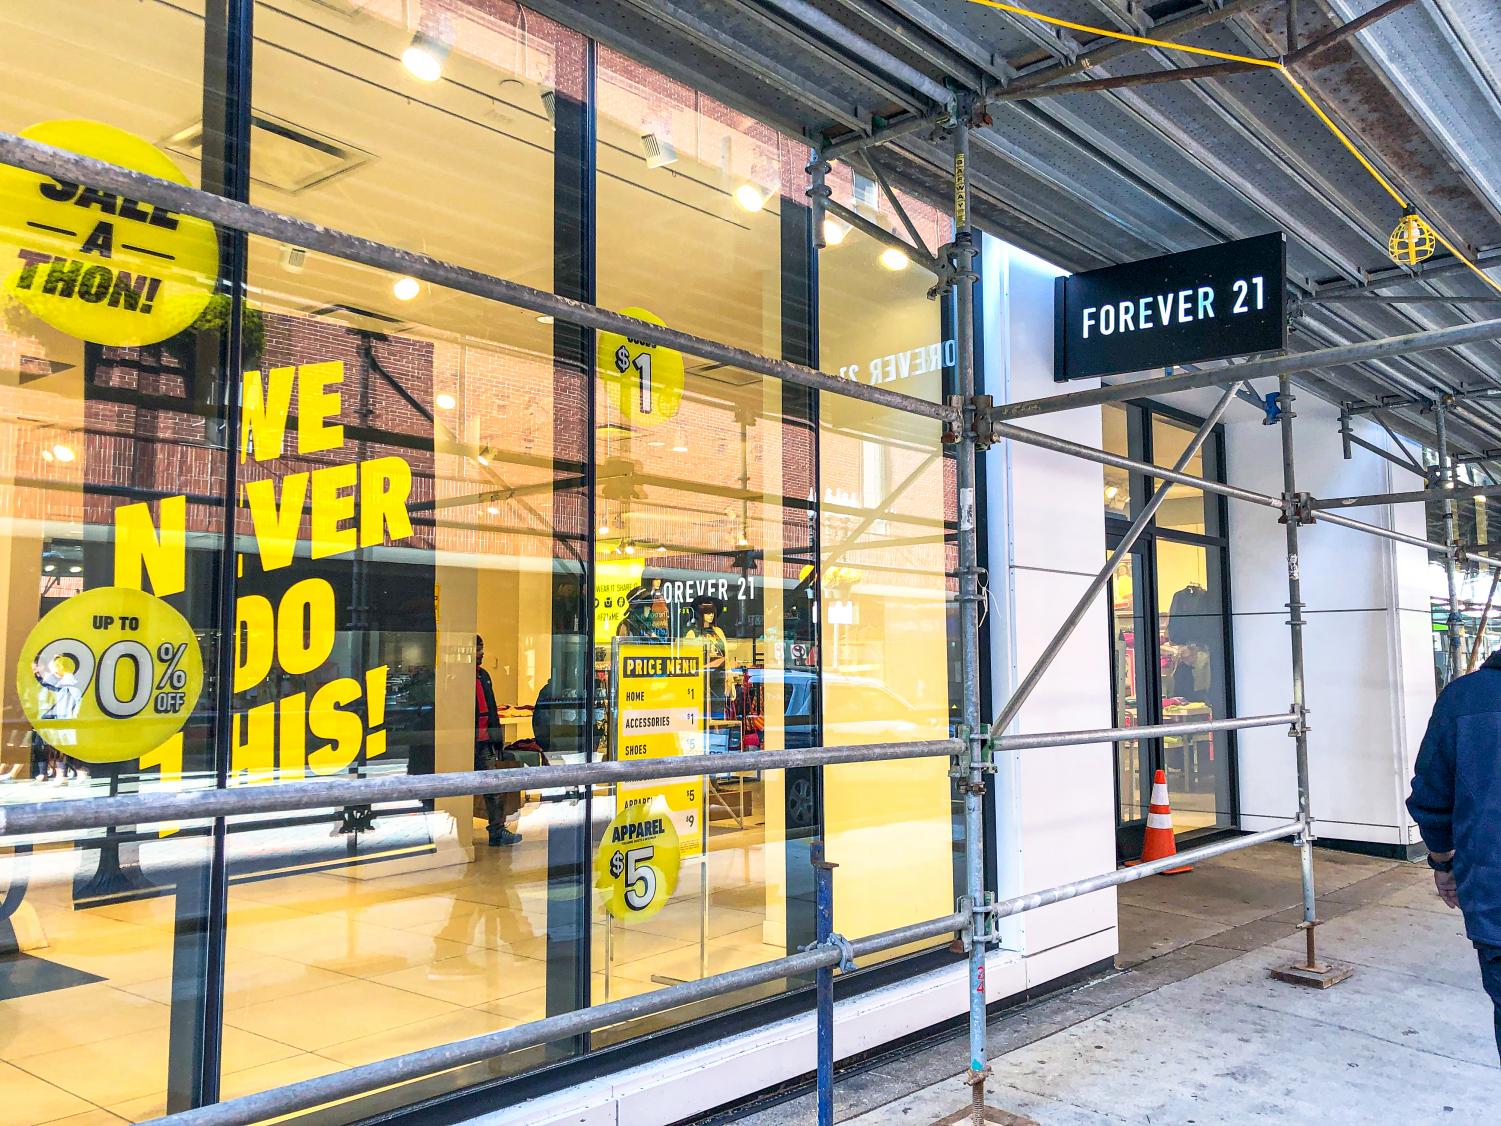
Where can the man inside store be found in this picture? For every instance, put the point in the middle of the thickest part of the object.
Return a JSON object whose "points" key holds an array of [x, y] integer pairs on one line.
{"points": [[1456, 801], [490, 753]]}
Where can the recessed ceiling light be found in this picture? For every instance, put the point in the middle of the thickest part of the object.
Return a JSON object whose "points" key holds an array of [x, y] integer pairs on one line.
{"points": [[446, 401], [62, 453], [894, 259], [75, 569], [424, 57], [406, 288]]}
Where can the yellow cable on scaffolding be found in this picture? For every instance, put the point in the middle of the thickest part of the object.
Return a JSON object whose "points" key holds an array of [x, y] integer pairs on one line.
{"points": [[1411, 230], [1056, 22]]}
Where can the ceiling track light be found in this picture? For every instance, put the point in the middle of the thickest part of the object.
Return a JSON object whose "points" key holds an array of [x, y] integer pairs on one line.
{"points": [[425, 56]]}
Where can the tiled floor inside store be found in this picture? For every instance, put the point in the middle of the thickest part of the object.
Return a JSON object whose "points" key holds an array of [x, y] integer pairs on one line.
{"points": [[326, 971]]}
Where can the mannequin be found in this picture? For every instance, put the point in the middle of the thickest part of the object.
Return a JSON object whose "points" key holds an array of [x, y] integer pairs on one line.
{"points": [[716, 651]]}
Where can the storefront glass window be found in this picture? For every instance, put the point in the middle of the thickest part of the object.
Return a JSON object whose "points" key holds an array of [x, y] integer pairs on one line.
{"points": [[703, 483], [443, 534], [1115, 437], [1190, 607], [1187, 509], [111, 483], [888, 499], [425, 124]]}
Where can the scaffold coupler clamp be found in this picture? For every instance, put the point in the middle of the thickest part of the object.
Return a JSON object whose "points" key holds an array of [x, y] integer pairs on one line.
{"points": [[976, 419], [981, 929], [838, 942], [1272, 405], [1299, 726], [1297, 507], [1306, 834], [976, 753]]}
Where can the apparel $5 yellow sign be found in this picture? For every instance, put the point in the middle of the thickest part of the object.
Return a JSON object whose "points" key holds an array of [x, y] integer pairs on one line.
{"points": [[95, 264], [645, 379], [637, 864], [109, 675]]}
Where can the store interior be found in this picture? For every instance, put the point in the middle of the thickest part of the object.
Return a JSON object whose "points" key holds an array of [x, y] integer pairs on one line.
{"points": [[345, 947]]}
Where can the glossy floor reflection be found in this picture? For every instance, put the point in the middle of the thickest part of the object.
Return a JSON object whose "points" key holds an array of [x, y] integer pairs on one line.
{"points": [[340, 967]]}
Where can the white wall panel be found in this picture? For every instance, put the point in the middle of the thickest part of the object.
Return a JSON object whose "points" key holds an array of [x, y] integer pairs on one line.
{"points": [[1369, 671]]}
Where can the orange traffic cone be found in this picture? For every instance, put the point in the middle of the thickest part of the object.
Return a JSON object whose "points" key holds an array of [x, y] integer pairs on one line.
{"points": [[1158, 843]]}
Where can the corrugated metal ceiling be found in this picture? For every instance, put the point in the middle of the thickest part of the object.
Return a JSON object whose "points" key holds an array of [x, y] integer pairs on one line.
{"points": [[1089, 179]]}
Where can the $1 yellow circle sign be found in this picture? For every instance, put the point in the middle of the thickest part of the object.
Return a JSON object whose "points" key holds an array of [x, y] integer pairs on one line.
{"points": [[646, 379], [110, 674], [98, 265], [637, 864]]}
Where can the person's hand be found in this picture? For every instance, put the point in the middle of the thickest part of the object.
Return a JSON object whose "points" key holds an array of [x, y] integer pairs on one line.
{"points": [[1443, 882]]}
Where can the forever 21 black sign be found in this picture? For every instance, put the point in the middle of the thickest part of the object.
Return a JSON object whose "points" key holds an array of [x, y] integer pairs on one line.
{"points": [[1223, 300]]}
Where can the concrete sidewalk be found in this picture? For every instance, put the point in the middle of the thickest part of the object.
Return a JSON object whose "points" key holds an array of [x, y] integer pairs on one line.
{"points": [[1193, 1030]]}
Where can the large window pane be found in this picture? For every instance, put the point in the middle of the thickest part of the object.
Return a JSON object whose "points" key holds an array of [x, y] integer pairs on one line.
{"points": [[888, 496], [424, 124], [1115, 439], [415, 535], [701, 531], [1187, 509], [112, 477], [1129, 646]]}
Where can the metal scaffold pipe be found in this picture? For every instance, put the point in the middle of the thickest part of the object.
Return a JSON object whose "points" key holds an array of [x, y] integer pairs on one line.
{"points": [[973, 778], [1030, 902], [1085, 602], [1385, 348], [1234, 492], [1453, 641], [1295, 623], [234, 215], [241, 801], [355, 1081]]}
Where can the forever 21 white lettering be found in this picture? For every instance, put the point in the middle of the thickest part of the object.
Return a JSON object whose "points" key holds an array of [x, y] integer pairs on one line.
{"points": [[1163, 310]]}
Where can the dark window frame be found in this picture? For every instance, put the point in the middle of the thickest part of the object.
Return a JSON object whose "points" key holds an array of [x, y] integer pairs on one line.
{"points": [[1140, 414]]}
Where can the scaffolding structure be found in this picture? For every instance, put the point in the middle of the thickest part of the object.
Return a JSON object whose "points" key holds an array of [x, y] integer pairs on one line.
{"points": [[972, 423]]}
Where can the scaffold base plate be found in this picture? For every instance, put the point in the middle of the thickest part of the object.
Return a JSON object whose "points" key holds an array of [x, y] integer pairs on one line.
{"points": [[999, 1117], [1321, 976]]}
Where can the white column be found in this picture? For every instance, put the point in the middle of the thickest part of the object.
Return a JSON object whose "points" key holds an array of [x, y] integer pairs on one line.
{"points": [[1046, 542]]}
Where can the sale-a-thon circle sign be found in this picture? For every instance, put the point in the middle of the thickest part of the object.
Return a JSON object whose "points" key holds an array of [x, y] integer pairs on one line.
{"points": [[637, 865], [109, 674], [96, 264]]}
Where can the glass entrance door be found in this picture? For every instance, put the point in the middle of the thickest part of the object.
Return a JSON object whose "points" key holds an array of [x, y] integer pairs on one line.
{"points": [[1169, 650], [1132, 686]]}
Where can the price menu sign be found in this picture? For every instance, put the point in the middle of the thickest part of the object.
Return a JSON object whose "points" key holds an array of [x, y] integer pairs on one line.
{"points": [[660, 697]]}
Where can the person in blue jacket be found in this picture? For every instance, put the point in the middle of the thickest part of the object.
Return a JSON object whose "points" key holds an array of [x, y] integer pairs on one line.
{"points": [[1456, 801]]}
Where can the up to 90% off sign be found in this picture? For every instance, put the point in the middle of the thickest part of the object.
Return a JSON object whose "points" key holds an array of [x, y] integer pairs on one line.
{"points": [[110, 674]]}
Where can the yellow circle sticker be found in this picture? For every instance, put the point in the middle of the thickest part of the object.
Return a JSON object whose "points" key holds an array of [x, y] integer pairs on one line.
{"points": [[110, 674], [95, 264], [645, 379], [637, 863]]}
